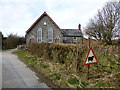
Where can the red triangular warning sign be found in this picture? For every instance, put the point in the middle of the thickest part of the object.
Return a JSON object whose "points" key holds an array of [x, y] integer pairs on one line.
{"points": [[91, 58]]}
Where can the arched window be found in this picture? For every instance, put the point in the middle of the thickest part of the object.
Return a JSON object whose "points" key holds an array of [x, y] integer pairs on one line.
{"points": [[39, 35], [50, 35], [31, 39]]}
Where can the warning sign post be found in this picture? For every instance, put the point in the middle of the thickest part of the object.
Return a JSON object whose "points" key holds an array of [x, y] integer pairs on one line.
{"points": [[90, 58]]}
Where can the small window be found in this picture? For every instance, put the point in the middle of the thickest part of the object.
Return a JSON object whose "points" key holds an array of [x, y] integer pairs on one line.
{"points": [[45, 23], [74, 42], [75, 38]]}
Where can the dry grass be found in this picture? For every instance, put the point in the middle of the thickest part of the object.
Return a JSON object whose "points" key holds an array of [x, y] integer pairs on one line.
{"points": [[103, 75]]}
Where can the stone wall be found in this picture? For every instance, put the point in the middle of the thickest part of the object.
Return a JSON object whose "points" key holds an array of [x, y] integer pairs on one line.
{"points": [[45, 28]]}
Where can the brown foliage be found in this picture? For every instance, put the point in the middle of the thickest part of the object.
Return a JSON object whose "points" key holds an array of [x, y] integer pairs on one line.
{"points": [[62, 53], [73, 56]]}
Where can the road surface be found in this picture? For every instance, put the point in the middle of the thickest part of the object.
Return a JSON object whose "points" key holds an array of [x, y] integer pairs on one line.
{"points": [[15, 74]]}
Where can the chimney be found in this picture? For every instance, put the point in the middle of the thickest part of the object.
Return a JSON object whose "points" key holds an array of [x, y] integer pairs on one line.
{"points": [[79, 27]]}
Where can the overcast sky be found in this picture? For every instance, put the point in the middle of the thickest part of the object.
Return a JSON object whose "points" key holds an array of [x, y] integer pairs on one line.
{"points": [[16, 16]]}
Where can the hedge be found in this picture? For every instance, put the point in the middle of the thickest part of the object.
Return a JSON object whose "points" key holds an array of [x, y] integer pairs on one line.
{"points": [[67, 54], [73, 55]]}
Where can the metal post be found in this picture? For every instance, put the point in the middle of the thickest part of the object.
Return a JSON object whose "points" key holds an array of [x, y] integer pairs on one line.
{"points": [[88, 65], [89, 42], [88, 72]]}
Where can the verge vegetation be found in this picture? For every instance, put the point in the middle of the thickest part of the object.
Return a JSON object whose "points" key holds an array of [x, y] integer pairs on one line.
{"points": [[63, 64]]}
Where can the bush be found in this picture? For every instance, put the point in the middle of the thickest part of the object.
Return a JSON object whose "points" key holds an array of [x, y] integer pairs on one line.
{"points": [[73, 56], [57, 76], [84, 84], [62, 53], [12, 41], [73, 81], [44, 66], [101, 84]]}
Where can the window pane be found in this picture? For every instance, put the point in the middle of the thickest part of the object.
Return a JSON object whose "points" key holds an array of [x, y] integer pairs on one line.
{"points": [[39, 35], [50, 35]]}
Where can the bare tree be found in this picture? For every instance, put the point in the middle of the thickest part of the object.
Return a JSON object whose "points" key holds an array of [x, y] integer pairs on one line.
{"points": [[103, 25]]}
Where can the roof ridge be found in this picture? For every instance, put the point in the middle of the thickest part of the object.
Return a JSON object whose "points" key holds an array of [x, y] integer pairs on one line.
{"points": [[38, 21]]}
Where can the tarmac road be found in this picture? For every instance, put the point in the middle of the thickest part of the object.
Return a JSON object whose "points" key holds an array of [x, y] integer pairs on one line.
{"points": [[15, 74]]}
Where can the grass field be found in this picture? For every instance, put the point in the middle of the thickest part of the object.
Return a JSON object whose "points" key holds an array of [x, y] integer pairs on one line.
{"points": [[105, 74]]}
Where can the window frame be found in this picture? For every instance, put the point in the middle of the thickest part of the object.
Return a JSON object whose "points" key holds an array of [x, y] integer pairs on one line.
{"points": [[75, 38], [74, 42], [65, 38], [50, 37], [39, 31]]}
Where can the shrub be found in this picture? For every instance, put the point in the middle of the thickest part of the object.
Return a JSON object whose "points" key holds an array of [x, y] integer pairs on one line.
{"points": [[44, 66], [94, 81], [101, 84], [72, 55], [62, 53], [73, 81], [84, 84], [57, 76]]}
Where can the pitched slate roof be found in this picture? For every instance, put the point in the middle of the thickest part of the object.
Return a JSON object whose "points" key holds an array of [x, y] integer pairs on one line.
{"points": [[44, 14], [65, 32], [72, 32]]}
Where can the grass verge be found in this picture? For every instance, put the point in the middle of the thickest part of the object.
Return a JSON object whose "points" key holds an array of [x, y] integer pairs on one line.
{"points": [[58, 75]]}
